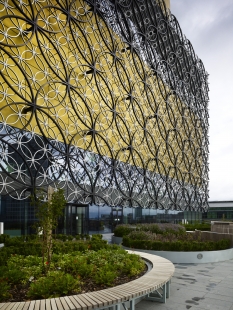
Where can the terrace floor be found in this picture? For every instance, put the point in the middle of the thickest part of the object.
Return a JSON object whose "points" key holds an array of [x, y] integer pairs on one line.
{"points": [[198, 287]]}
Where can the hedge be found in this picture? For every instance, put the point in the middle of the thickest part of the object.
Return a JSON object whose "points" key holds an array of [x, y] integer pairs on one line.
{"points": [[198, 226], [186, 246], [18, 246], [158, 228]]}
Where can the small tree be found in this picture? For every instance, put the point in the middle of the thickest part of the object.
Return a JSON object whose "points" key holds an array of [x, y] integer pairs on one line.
{"points": [[48, 212]]}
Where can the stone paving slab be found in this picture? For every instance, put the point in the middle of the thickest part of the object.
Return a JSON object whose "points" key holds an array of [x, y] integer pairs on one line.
{"points": [[198, 287]]}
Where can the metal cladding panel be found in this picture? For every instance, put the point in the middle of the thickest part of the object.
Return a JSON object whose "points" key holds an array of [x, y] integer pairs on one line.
{"points": [[105, 99]]}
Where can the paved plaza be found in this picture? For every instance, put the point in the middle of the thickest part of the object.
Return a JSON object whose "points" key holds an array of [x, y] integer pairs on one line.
{"points": [[198, 287]]}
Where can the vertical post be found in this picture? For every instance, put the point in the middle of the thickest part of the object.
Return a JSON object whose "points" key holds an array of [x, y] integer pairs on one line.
{"points": [[132, 304], [168, 289], [49, 228], [1, 228], [50, 192], [79, 224], [164, 293]]}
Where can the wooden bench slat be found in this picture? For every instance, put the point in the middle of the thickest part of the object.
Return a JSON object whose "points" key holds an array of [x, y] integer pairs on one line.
{"points": [[118, 295], [69, 303], [83, 301], [16, 305], [64, 303], [108, 296], [97, 299], [42, 304], [53, 304], [37, 305], [47, 304], [21, 305], [31, 305], [7, 305], [76, 303], [93, 301], [58, 303], [127, 293], [26, 305]]}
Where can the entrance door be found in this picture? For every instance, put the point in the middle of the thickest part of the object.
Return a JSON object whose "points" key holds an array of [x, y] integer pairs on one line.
{"points": [[76, 219]]}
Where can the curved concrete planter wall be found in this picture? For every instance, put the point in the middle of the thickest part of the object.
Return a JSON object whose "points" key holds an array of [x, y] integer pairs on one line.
{"points": [[116, 240], [187, 257], [192, 257]]}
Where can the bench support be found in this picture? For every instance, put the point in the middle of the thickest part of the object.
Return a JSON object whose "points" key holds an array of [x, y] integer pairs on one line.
{"points": [[158, 295], [161, 294]]}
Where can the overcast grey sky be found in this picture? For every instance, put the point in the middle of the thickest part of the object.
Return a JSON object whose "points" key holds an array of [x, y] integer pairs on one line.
{"points": [[208, 24]]}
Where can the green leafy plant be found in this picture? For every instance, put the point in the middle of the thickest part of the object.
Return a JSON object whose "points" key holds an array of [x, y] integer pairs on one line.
{"points": [[176, 245], [197, 226], [158, 228], [69, 267], [123, 230], [3, 238], [4, 289], [105, 275], [55, 284]]}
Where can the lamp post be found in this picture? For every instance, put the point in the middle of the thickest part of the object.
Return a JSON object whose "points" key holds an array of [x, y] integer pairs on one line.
{"points": [[117, 209]]}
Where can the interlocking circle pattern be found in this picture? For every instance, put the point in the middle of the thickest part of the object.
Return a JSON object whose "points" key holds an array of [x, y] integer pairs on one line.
{"points": [[105, 99]]}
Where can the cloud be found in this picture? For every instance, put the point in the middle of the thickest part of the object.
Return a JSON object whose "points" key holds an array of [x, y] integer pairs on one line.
{"points": [[209, 26]]}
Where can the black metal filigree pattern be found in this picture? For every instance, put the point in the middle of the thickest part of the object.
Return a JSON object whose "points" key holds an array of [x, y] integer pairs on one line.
{"points": [[105, 99]]}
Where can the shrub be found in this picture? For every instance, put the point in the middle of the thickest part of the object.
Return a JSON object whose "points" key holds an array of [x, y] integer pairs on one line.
{"points": [[97, 237], [197, 226], [105, 275], [122, 230], [68, 268], [15, 276], [4, 291], [24, 248], [3, 238], [97, 244], [158, 228], [55, 284], [141, 235], [178, 245]]}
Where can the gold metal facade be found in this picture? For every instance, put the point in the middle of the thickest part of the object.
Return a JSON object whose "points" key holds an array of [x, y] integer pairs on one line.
{"points": [[105, 99]]}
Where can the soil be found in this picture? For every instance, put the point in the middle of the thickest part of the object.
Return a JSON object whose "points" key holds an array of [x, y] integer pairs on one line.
{"points": [[19, 292]]}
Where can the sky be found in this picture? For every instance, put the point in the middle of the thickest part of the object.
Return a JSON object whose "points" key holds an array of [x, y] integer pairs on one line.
{"points": [[208, 24]]}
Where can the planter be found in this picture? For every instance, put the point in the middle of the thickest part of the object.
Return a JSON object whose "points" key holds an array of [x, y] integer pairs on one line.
{"points": [[201, 257], [127, 294], [116, 240], [197, 257]]}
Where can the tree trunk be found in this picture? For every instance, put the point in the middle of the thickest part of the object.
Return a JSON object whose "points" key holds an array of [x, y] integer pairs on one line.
{"points": [[49, 240]]}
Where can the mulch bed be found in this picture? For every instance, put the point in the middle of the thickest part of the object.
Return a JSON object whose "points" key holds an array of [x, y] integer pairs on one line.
{"points": [[19, 292]]}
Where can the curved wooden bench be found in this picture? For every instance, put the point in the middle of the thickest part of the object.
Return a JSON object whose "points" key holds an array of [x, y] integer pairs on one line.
{"points": [[154, 285]]}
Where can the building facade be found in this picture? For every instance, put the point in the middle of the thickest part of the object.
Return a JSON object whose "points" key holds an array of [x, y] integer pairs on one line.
{"points": [[105, 99], [220, 210]]}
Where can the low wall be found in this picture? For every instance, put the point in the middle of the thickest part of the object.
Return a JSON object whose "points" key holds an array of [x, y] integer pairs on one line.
{"points": [[215, 236], [202, 257], [222, 227]]}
